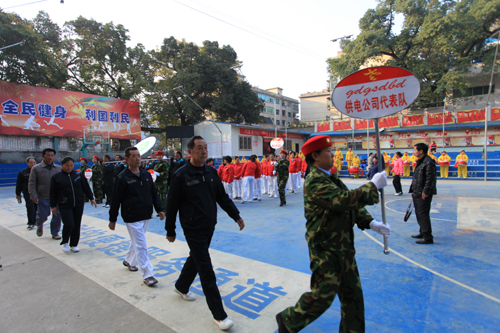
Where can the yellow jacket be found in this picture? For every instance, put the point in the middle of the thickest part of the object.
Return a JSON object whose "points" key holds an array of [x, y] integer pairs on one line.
{"points": [[406, 157], [338, 154], [431, 155], [356, 162], [413, 158], [462, 157], [387, 158], [349, 156], [445, 158]]}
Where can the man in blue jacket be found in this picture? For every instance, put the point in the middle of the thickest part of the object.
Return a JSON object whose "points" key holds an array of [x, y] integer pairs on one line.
{"points": [[194, 192], [136, 192]]}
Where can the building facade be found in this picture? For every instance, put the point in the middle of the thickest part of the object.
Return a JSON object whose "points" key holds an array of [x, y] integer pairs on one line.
{"points": [[279, 110]]}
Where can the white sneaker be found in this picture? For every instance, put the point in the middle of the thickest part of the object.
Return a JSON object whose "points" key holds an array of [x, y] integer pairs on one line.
{"points": [[242, 201], [224, 324], [396, 193], [107, 206], [75, 249], [104, 205], [65, 247], [187, 297]]}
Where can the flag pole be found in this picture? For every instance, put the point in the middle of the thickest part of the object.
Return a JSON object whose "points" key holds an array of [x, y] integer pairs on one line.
{"points": [[381, 164]]}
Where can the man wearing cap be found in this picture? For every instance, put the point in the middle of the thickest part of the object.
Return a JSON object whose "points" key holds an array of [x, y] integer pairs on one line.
{"points": [[332, 210], [282, 171], [162, 169], [97, 180], [84, 167]]}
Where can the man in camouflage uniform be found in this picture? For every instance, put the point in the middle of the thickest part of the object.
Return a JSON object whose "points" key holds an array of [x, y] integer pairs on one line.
{"points": [[332, 210], [162, 168], [97, 180], [282, 172], [83, 167]]}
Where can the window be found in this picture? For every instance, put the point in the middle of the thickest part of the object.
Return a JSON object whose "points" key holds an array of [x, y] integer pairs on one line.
{"points": [[289, 114], [270, 109], [277, 101], [474, 91], [283, 113], [295, 106], [289, 105], [277, 122], [277, 111], [283, 104], [265, 98], [245, 143]]}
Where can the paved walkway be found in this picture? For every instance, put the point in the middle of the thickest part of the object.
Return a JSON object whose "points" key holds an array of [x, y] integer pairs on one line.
{"points": [[451, 286]]}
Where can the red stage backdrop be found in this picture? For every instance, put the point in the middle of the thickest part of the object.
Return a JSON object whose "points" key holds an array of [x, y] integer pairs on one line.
{"points": [[344, 125], [495, 114], [389, 121], [324, 126], [416, 120], [470, 116], [360, 124], [38, 111], [437, 118]]}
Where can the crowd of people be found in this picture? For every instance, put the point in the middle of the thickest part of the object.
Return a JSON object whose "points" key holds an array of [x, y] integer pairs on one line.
{"points": [[191, 187]]}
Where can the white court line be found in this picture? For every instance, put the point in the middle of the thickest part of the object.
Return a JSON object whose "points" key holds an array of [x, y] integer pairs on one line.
{"points": [[397, 211], [433, 271]]}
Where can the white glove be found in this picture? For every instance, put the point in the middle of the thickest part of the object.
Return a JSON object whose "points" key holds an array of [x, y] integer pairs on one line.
{"points": [[379, 227], [157, 174], [380, 180], [274, 172]]}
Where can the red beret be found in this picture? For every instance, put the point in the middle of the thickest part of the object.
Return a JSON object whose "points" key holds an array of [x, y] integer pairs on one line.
{"points": [[159, 152], [283, 152], [83, 158], [316, 143], [96, 157]]}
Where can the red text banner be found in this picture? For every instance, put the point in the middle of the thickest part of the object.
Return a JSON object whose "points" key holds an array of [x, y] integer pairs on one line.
{"points": [[495, 114], [390, 121], [416, 120], [38, 111], [249, 131], [470, 116], [324, 126], [437, 118], [360, 124], [344, 125]]}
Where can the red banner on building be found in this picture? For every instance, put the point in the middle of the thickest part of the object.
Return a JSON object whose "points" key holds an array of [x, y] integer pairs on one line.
{"points": [[390, 121], [437, 118], [256, 132], [495, 114], [38, 111], [324, 126], [416, 120], [344, 125], [470, 116], [360, 124]]}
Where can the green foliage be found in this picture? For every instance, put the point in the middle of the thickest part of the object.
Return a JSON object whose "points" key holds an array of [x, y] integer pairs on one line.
{"points": [[438, 42]]}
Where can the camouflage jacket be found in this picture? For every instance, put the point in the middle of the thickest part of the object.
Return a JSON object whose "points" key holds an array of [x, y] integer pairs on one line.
{"points": [[96, 173], [331, 210], [282, 169], [83, 168], [162, 168]]}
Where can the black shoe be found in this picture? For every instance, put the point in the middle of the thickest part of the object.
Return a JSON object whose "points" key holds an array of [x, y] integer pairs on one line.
{"points": [[425, 241], [30, 227], [282, 204], [150, 281], [281, 326], [417, 236], [130, 267]]}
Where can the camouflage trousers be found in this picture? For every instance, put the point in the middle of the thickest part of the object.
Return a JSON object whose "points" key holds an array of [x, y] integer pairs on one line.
{"points": [[333, 273], [162, 192], [282, 189], [98, 193]]}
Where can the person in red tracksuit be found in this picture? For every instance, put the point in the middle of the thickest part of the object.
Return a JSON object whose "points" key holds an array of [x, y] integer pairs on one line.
{"points": [[220, 172], [248, 174], [228, 175], [298, 170], [292, 173], [237, 178], [257, 191], [273, 179], [265, 175]]}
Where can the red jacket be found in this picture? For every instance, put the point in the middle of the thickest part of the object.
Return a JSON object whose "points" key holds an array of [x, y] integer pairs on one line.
{"points": [[299, 164], [248, 169], [221, 171], [228, 173], [237, 170], [293, 166], [304, 167], [264, 168], [270, 169], [398, 167], [258, 171]]}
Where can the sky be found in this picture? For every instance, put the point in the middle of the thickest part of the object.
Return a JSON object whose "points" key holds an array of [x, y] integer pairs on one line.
{"points": [[281, 43]]}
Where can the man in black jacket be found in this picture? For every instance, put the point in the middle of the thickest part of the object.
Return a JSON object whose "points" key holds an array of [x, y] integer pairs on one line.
{"points": [[22, 187], [423, 187], [136, 192], [107, 179], [195, 191]]}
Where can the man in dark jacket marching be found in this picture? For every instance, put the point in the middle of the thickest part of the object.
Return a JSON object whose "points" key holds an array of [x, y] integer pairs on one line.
{"points": [[136, 193], [107, 179], [22, 187], [195, 190], [423, 187]]}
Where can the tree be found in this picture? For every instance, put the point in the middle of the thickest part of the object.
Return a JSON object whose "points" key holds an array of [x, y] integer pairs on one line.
{"points": [[207, 75], [37, 60], [99, 61], [438, 42]]}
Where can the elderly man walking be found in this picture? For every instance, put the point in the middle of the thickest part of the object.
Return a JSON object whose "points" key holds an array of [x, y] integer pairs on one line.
{"points": [[39, 191]]}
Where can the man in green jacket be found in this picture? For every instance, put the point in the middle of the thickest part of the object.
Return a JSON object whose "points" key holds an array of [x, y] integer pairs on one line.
{"points": [[97, 180], [332, 210], [161, 167]]}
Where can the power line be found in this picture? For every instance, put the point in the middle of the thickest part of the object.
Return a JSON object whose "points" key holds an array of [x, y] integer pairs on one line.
{"points": [[250, 32], [24, 4]]}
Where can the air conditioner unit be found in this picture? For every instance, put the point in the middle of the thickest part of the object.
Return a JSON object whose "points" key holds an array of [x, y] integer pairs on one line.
{"points": [[297, 116]]}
